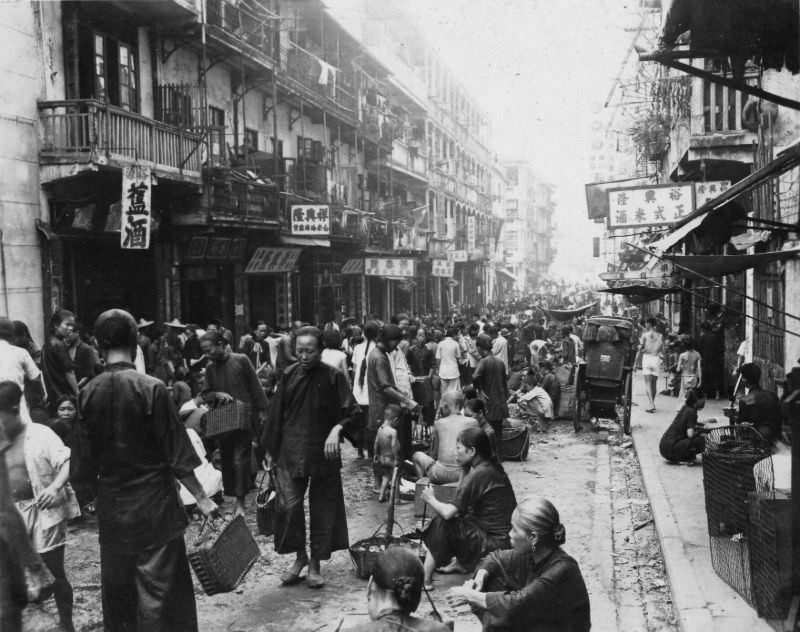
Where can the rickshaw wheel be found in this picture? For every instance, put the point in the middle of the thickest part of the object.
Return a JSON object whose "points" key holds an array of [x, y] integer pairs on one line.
{"points": [[626, 405]]}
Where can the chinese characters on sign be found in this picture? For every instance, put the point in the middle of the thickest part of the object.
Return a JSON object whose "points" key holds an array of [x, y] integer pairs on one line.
{"points": [[441, 268], [705, 191], [389, 267], [457, 255], [310, 220], [471, 233], [662, 276], [650, 205], [134, 233]]}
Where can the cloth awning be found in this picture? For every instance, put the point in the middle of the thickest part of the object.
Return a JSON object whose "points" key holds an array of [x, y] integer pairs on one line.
{"points": [[786, 160], [353, 266], [640, 290], [562, 315], [715, 265], [310, 242], [507, 274], [272, 260]]}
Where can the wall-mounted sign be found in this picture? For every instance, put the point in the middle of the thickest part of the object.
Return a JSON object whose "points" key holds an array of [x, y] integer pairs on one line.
{"points": [[394, 267], [310, 219], [218, 248], [705, 191], [197, 248], [653, 205], [134, 231], [237, 249], [441, 268], [457, 255], [471, 233]]}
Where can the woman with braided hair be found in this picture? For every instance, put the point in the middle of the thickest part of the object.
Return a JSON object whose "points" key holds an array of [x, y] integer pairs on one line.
{"points": [[394, 592], [533, 587]]}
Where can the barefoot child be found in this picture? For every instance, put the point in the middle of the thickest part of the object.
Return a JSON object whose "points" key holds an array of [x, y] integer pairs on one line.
{"points": [[387, 449]]}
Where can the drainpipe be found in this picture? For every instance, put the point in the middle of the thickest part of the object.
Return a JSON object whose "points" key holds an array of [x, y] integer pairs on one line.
{"points": [[3, 271]]}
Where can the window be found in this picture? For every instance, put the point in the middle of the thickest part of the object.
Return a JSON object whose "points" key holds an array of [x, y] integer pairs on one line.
{"points": [[115, 72], [127, 78], [309, 149], [251, 139], [512, 173], [280, 146], [99, 67], [216, 134]]}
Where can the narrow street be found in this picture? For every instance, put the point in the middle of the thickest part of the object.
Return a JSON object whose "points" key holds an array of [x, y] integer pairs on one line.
{"points": [[592, 477]]}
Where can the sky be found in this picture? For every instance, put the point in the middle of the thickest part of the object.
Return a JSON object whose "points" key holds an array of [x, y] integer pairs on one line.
{"points": [[541, 70]]}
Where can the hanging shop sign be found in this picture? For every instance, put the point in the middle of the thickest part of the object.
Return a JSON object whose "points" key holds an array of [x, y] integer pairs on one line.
{"points": [[458, 256], [311, 219], [134, 233], [654, 205], [272, 260], [442, 268], [395, 267], [662, 275], [706, 191], [471, 236]]}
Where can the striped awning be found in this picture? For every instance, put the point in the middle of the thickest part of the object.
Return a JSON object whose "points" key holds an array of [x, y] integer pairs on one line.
{"points": [[273, 260], [353, 266]]}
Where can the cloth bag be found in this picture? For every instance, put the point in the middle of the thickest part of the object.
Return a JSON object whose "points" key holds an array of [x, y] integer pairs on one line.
{"points": [[266, 500]]}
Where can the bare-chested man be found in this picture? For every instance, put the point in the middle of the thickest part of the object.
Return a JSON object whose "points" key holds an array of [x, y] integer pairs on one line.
{"points": [[440, 464], [651, 348]]}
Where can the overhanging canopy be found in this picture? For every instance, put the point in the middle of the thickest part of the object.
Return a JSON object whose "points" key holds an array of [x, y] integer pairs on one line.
{"points": [[713, 265], [640, 290], [272, 260], [565, 314], [507, 274], [319, 242], [353, 266]]}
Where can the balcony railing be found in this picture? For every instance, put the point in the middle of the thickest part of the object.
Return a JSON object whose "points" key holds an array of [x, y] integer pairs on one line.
{"points": [[235, 196], [246, 26], [317, 75], [83, 126]]}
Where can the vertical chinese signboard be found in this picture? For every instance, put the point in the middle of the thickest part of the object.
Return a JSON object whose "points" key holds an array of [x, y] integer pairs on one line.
{"points": [[655, 205], [136, 211], [311, 220], [471, 233]]}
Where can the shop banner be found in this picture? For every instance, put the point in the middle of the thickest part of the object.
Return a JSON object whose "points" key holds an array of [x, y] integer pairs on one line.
{"points": [[459, 256], [441, 268], [654, 205], [471, 233], [311, 220], [389, 267], [134, 233], [706, 191]]}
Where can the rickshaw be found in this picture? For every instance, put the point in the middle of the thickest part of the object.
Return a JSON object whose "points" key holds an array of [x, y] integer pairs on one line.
{"points": [[604, 379]]}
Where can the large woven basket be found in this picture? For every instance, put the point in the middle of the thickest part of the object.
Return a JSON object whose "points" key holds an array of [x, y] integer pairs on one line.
{"points": [[515, 443], [223, 557], [365, 553], [234, 415]]}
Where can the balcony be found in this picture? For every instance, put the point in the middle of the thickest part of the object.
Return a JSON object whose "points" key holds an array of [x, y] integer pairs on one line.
{"points": [[244, 30], [234, 197], [326, 85], [90, 132]]}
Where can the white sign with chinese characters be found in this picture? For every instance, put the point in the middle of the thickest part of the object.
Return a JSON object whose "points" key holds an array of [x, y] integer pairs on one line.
{"points": [[471, 233], [441, 268], [134, 233], [654, 205], [311, 220], [395, 267], [705, 191], [457, 255]]}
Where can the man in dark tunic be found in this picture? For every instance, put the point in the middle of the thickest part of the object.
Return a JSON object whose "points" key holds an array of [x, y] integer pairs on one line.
{"points": [[759, 407], [491, 380], [132, 445], [231, 375], [311, 407]]}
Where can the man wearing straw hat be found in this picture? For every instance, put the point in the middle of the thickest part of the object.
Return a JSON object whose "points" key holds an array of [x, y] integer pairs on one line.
{"points": [[131, 445]]}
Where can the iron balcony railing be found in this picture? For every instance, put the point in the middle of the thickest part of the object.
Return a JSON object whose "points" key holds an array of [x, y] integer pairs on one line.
{"points": [[85, 126]]}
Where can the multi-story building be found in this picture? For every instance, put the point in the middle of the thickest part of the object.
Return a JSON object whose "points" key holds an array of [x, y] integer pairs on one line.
{"points": [[528, 231], [241, 160]]}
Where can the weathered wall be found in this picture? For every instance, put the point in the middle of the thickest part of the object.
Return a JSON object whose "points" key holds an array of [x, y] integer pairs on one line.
{"points": [[21, 67]]}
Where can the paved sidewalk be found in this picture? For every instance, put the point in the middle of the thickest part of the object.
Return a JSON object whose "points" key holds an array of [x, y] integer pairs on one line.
{"points": [[703, 601]]}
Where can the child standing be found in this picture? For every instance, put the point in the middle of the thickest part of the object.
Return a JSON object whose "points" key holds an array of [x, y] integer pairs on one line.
{"points": [[689, 367], [387, 449]]}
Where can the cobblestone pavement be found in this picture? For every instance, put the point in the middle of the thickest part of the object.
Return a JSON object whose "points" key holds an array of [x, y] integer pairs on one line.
{"points": [[592, 477]]}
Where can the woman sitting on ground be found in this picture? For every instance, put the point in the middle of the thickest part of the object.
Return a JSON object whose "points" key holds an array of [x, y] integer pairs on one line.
{"points": [[535, 586], [682, 441], [478, 519], [394, 592]]}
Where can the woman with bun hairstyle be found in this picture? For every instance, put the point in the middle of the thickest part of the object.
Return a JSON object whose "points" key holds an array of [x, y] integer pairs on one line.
{"points": [[394, 592], [533, 587]]}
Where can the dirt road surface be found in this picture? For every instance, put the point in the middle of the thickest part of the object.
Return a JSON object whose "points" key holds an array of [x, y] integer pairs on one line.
{"points": [[592, 477]]}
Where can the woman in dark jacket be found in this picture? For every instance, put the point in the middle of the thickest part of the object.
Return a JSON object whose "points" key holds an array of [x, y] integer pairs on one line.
{"points": [[533, 587]]}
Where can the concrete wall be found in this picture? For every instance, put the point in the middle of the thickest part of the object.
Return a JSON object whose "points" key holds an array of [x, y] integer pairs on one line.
{"points": [[21, 67]]}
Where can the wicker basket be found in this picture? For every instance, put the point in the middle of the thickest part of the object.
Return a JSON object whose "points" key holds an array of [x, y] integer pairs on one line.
{"points": [[365, 553], [234, 415], [221, 558], [515, 444]]}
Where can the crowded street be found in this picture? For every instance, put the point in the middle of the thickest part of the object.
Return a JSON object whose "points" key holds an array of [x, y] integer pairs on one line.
{"points": [[381, 316]]}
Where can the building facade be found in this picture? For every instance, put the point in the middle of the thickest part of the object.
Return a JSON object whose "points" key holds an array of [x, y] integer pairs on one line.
{"points": [[201, 159]]}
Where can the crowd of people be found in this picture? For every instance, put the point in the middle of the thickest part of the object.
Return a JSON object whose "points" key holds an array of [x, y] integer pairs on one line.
{"points": [[118, 413]]}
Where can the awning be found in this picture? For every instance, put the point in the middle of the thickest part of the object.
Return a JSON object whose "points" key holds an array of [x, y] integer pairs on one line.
{"points": [[507, 274], [786, 160], [353, 266], [272, 260], [714, 265], [644, 291], [310, 242], [562, 315]]}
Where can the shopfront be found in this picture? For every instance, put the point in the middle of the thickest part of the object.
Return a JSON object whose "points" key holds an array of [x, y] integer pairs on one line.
{"points": [[270, 273]]}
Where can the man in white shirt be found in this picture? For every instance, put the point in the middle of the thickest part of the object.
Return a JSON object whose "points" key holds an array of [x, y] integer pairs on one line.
{"points": [[500, 347], [447, 355], [17, 365]]}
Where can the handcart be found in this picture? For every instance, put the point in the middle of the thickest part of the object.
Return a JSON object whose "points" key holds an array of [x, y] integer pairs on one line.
{"points": [[604, 380]]}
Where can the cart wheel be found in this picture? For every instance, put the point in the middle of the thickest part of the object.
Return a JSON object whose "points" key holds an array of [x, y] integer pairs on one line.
{"points": [[626, 405]]}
